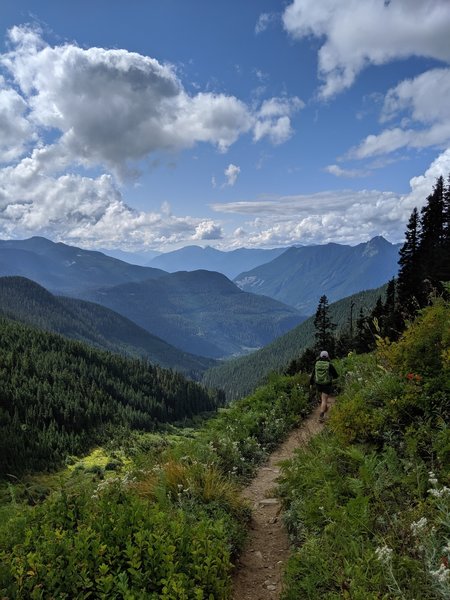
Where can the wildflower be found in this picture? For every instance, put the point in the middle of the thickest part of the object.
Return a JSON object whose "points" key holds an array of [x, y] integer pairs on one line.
{"points": [[439, 493], [441, 574], [432, 478], [384, 554], [417, 526]]}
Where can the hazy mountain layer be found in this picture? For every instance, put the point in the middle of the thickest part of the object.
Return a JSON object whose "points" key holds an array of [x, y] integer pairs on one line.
{"points": [[66, 269], [201, 312], [191, 258], [300, 276]]}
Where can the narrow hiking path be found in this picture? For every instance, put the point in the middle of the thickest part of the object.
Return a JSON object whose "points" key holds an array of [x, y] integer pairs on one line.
{"points": [[259, 570]]}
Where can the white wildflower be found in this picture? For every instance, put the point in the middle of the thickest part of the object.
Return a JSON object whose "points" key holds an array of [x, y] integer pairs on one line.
{"points": [[384, 554], [441, 574], [417, 526]]}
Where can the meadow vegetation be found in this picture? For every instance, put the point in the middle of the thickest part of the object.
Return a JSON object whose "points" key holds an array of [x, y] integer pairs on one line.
{"points": [[158, 517], [367, 504]]}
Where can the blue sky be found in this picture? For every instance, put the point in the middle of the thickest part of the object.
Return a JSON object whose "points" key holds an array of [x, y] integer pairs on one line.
{"points": [[150, 125]]}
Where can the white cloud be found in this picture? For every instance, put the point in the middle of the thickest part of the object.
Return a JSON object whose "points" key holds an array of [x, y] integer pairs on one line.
{"points": [[113, 107], [207, 230], [231, 173], [349, 173], [424, 100], [86, 211], [264, 21], [358, 33], [108, 110], [274, 119], [15, 129], [344, 216]]}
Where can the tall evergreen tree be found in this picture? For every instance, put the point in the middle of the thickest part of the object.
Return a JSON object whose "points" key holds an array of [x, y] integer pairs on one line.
{"points": [[324, 327], [432, 234], [445, 264], [390, 327], [410, 273]]}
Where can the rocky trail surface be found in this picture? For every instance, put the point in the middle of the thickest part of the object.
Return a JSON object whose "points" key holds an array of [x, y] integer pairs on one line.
{"points": [[259, 570]]}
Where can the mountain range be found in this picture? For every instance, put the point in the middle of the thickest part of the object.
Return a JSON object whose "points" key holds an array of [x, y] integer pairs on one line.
{"points": [[192, 258], [198, 312], [300, 276], [64, 269]]}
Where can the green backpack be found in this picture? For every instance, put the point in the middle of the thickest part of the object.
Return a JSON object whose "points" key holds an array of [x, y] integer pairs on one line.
{"points": [[322, 372]]}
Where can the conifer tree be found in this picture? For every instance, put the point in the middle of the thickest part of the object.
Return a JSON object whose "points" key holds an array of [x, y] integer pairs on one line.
{"points": [[432, 235], [324, 327], [389, 323], [364, 340], [410, 273], [444, 275]]}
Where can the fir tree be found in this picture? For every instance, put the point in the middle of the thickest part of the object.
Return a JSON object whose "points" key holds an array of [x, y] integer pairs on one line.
{"points": [[409, 276], [324, 327], [432, 235]]}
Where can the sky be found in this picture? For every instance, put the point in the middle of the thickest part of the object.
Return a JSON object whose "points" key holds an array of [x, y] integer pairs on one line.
{"points": [[156, 124]]}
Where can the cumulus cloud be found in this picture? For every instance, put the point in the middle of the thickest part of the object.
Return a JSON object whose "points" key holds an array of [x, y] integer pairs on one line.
{"points": [[422, 103], [115, 106], [358, 33], [64, 108], [274, 119], [207, 230], [15, 129], [344, 216], [231, 173], [86, 211]]}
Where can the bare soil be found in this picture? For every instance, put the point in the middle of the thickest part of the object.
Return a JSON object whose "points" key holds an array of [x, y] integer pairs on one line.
{"points": [[258, 574]]}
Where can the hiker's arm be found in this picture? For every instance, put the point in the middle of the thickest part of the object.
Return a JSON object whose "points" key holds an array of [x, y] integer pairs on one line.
{"points": [[334, 373]]}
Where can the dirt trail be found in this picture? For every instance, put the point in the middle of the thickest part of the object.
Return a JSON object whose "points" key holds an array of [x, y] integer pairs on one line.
{"points": [[259, 570]]}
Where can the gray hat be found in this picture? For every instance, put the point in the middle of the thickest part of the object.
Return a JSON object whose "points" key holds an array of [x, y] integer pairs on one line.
{"points": [[324, 354]]}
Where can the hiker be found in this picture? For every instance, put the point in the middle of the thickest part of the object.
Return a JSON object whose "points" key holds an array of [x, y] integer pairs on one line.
{"points": [[322, 376]]}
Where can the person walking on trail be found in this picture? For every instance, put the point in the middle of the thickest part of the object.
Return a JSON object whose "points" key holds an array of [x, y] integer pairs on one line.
{"points": [[322, 376]]}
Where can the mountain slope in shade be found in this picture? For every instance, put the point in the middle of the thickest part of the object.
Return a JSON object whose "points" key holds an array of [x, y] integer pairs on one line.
{"points": [[66, 269], [192, 258], [202, 312], [300, 276], [240, 376], [26, 301]]}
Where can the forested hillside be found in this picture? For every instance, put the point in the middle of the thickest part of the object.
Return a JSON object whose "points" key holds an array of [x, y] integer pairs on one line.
{"points": [[238, 377], [26, 301], [300, 276], [200, 312], [60, 397]]}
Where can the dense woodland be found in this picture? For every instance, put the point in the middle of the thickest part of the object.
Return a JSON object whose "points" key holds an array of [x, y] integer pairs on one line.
{"points": [[60, 397], [26, 301]]}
